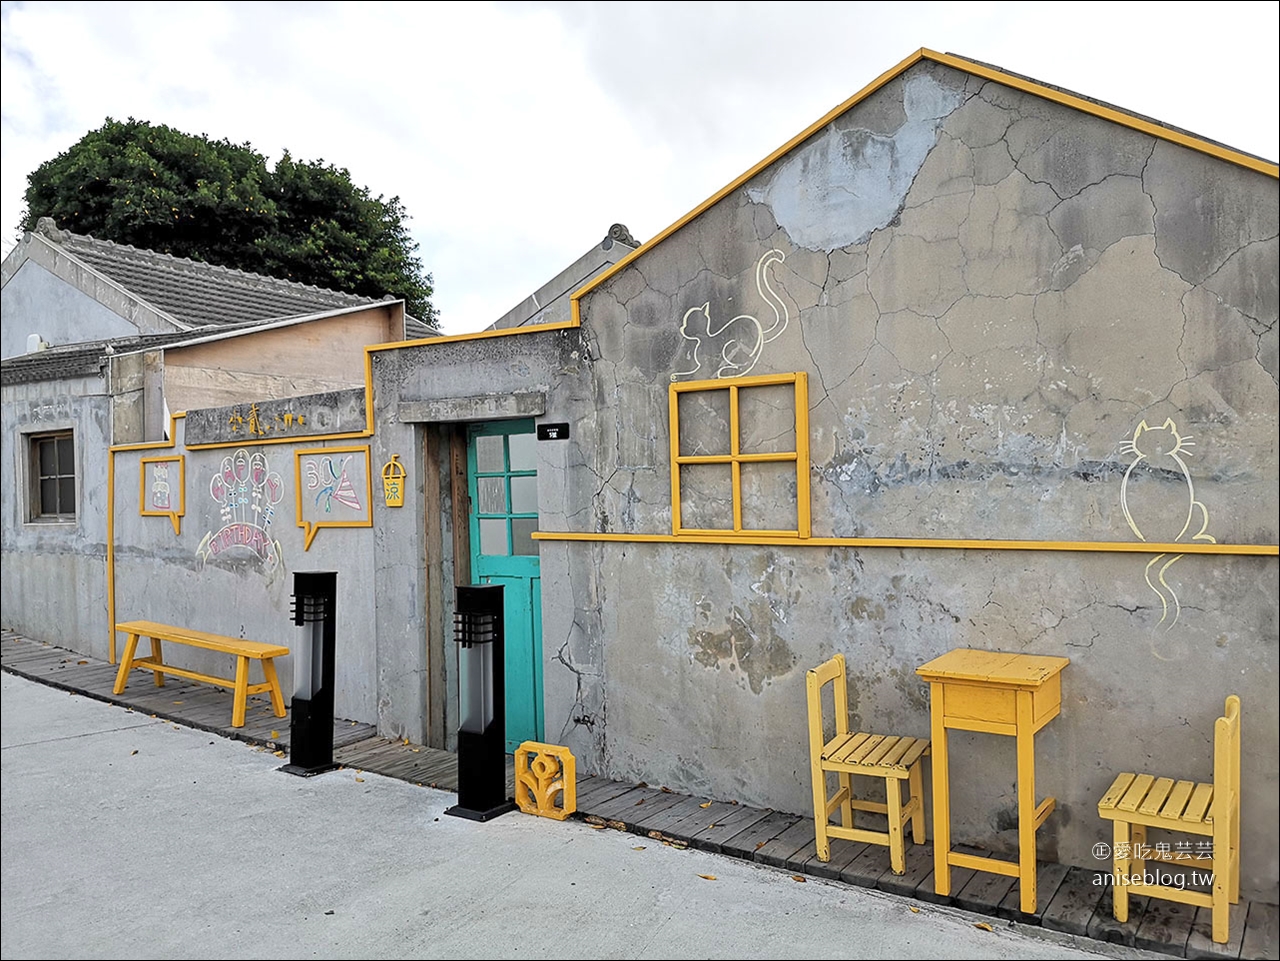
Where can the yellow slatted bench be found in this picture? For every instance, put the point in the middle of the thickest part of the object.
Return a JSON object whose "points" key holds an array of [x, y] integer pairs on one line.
{"points": [[243, 651], [896, 759], [1135, 802]]}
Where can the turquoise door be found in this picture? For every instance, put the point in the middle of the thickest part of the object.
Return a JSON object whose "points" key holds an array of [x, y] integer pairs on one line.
{"points": [[502, 479]]}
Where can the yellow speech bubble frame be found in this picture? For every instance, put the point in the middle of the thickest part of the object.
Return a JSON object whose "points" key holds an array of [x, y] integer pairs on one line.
{"points": [[175, 516], [311, 528]]}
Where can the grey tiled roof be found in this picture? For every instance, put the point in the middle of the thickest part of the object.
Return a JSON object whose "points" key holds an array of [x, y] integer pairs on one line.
{"points": [[207, 295], [201, 294], [84, 359]]}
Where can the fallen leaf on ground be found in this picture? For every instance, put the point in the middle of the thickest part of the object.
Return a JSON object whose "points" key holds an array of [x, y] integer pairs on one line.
{"points": [[638, 847], [665, 790], [596, 827], [405, 742], [360, 780], [760, 844], [82, 662], [707, 877], [132, 753], [799, 877], [983, 926], [278, 753], [707, 804], [275, 734], [915, 910], [177, 702], [638, 803]]}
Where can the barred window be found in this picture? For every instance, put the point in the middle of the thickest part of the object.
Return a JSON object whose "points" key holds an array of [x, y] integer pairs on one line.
{"points": [[53, 476]]}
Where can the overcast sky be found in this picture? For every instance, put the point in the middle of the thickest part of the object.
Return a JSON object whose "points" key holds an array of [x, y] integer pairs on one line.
{"points": [[516, 133]]}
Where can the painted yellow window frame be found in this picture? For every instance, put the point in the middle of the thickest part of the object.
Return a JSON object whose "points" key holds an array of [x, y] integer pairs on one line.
{"points": [[736, 457]]}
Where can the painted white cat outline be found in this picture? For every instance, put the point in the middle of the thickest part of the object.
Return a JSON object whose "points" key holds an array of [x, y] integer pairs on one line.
{"points": [[1163, 448]]}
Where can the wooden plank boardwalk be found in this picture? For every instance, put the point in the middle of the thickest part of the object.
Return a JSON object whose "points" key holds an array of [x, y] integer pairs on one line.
{"points": [[1070, 898], [201, 706]]}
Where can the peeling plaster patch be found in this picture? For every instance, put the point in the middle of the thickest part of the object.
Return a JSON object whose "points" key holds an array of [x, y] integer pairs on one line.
{"points": [[864, 608], [749, 642], [844, 184]]}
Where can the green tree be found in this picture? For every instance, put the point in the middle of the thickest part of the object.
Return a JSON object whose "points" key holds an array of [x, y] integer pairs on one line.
{"points": [[158, 188]]}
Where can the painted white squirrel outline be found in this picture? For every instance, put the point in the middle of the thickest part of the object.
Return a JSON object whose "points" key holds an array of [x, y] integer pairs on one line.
{"points": [[745, 342]]}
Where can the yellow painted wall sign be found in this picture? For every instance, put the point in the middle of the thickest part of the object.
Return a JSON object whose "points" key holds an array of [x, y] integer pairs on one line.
{"points": [[393, 482]]}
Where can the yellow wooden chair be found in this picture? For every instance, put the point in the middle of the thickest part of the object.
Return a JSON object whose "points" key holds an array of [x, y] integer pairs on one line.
{"points": [[875, 755], [1135, 802]]}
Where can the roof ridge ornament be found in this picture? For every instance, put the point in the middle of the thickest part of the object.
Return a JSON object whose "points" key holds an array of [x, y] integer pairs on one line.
{"points": [[620, 234], [47, 227]]}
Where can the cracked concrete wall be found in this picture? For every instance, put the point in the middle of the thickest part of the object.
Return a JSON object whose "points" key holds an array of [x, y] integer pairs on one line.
{"points": [[161, 576], [53, 574], [1019, 321], [424, 380]]}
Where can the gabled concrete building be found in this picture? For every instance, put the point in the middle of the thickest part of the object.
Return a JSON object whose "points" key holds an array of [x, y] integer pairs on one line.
{"points": [[101, 341], [927, 377], [68, 288]]}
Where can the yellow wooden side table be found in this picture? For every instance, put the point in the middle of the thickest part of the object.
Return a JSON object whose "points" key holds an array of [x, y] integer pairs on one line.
{"points": [[997, 693]]}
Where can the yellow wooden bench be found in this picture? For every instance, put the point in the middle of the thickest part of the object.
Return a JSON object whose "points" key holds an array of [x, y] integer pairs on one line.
{"points": [[896, 759], [243, 651], [1135, 802]]}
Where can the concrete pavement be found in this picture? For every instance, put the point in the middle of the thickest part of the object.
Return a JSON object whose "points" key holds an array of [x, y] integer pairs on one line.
{"points": [[128, 836]]}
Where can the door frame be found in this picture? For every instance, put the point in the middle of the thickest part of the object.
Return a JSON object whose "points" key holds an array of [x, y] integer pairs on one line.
{"points": [[528, 565]]}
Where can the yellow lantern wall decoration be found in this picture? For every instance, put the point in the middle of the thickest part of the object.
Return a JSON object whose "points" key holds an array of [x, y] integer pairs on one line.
{"points": [[393, 482]]}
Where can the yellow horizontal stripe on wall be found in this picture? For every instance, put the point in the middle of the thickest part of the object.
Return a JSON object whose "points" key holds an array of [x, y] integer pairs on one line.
{"points": [[916, 543]]}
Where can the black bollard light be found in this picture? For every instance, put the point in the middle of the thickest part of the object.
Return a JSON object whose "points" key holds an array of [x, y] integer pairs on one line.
{"points": [[482, 757], [311, 712]]}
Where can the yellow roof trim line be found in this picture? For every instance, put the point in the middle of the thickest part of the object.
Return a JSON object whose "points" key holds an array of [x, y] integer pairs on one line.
{"points": [[1140, 124], [957, 63], [485, 334]]}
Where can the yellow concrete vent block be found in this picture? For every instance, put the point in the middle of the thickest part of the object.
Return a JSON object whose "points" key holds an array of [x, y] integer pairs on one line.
{"points": [[544, 771]]}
